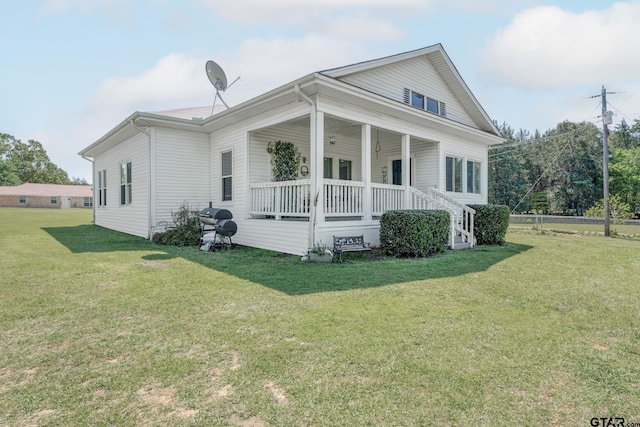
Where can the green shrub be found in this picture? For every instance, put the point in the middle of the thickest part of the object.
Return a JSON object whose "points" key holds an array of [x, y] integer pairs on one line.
{"points": [[619, 211], [490, 224], [414, 233], [186, 231]]}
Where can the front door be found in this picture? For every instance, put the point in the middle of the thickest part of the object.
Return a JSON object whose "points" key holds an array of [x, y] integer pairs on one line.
{"points": [[396, 172]]}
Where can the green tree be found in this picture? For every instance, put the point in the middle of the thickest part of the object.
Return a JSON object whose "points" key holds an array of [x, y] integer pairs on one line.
{"points": [[624, 136], [8, 175], [566, 164], [577, 177], [624, 176], [507, 176], [78, 181], [31, 162]]}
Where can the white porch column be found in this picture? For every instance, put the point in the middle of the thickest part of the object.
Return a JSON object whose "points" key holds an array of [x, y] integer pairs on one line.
{"points": [[366, 172], [406, 170], [317, 173]]}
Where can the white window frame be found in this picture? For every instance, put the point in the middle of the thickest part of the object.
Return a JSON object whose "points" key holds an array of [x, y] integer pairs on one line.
{"points": [[452, 188], [126, 183], [102, 187], [54, 200], [227, 176], [473, 186], [476, 184], [441, 109]]}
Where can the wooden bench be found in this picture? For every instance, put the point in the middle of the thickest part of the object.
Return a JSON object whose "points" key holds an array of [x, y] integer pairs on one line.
{"points": [[349, 244]]}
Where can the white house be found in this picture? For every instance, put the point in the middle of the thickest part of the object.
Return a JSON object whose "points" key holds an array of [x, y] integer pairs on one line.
{"points": [[399, 132]]}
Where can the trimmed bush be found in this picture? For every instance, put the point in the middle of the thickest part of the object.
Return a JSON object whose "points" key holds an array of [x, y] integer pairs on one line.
{"points": [[414, 233], [490, 224]]}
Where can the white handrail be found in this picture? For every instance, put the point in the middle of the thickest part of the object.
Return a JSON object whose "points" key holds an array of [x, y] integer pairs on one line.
{"points": [[462, 216]]}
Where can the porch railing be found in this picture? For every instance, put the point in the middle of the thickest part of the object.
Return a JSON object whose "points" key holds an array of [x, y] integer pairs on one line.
{"points": [[386, 197], [346, 199], [284, 198], [461, 214], [343, 198]]}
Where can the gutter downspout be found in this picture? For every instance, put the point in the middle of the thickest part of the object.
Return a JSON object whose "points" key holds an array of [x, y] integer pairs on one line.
{"points": [[93, 186], [313, 121], [146, 132]]}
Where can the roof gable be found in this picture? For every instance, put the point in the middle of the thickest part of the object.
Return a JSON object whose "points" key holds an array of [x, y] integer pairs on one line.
{"points": [[428, 71]]}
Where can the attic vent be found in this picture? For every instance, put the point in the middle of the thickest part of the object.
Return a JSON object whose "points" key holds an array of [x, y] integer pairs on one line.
{"points": [[443, 109], [407, 96]]}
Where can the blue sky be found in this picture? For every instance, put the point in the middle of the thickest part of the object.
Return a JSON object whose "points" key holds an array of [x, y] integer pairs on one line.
{"points": [[73, 69]]}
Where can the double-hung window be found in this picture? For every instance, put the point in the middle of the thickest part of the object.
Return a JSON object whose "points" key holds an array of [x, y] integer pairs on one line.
{"points": [[473, 177], [227, 176], [102, 187], [125, 184], [454, 174], [54, 200], [456, 182]]}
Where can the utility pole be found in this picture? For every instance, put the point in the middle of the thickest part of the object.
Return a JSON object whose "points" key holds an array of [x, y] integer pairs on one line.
{"points": [[606, 120]]}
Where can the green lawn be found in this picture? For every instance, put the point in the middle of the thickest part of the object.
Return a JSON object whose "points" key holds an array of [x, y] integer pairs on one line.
{"points": [[619, 230], [101, 328]]}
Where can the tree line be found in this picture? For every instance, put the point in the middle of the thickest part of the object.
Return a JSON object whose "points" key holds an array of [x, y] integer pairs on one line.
{"points": [[560, 171], [22, 162]]}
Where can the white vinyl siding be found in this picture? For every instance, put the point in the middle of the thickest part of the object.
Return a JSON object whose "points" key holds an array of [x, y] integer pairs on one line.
{"points": [[181, 172], [417, 74], [134, 218]]}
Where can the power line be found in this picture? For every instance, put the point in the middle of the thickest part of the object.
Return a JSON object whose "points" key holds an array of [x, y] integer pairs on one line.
{"points": [[543, 173]]}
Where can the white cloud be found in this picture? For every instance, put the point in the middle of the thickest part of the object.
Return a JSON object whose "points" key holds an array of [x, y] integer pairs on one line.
{"points": [[176, 78], [179, 80], [547, 47]]}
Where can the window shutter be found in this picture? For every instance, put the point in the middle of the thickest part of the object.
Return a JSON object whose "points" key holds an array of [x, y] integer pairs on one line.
{"points": [[443, 109], [407, 96]]}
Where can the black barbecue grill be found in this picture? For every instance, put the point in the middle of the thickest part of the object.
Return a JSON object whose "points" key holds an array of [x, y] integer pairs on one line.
{"points": [[216, 228]]}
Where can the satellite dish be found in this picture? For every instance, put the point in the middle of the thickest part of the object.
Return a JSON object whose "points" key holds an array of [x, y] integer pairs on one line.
{"points": [[218, 79], [216, 75]]}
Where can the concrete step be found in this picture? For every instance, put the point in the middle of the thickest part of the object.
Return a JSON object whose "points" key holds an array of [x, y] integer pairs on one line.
{"points": [[459, 246]]}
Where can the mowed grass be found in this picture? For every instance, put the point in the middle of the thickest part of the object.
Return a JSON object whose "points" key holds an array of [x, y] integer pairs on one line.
{"points": [[102, 328], [616, 230]]}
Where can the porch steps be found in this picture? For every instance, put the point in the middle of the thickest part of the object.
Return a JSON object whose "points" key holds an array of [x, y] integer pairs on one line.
{"points": [[459, 245]]}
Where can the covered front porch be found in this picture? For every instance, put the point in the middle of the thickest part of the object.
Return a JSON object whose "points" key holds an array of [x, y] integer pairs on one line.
{"points": [[347, 174]]}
